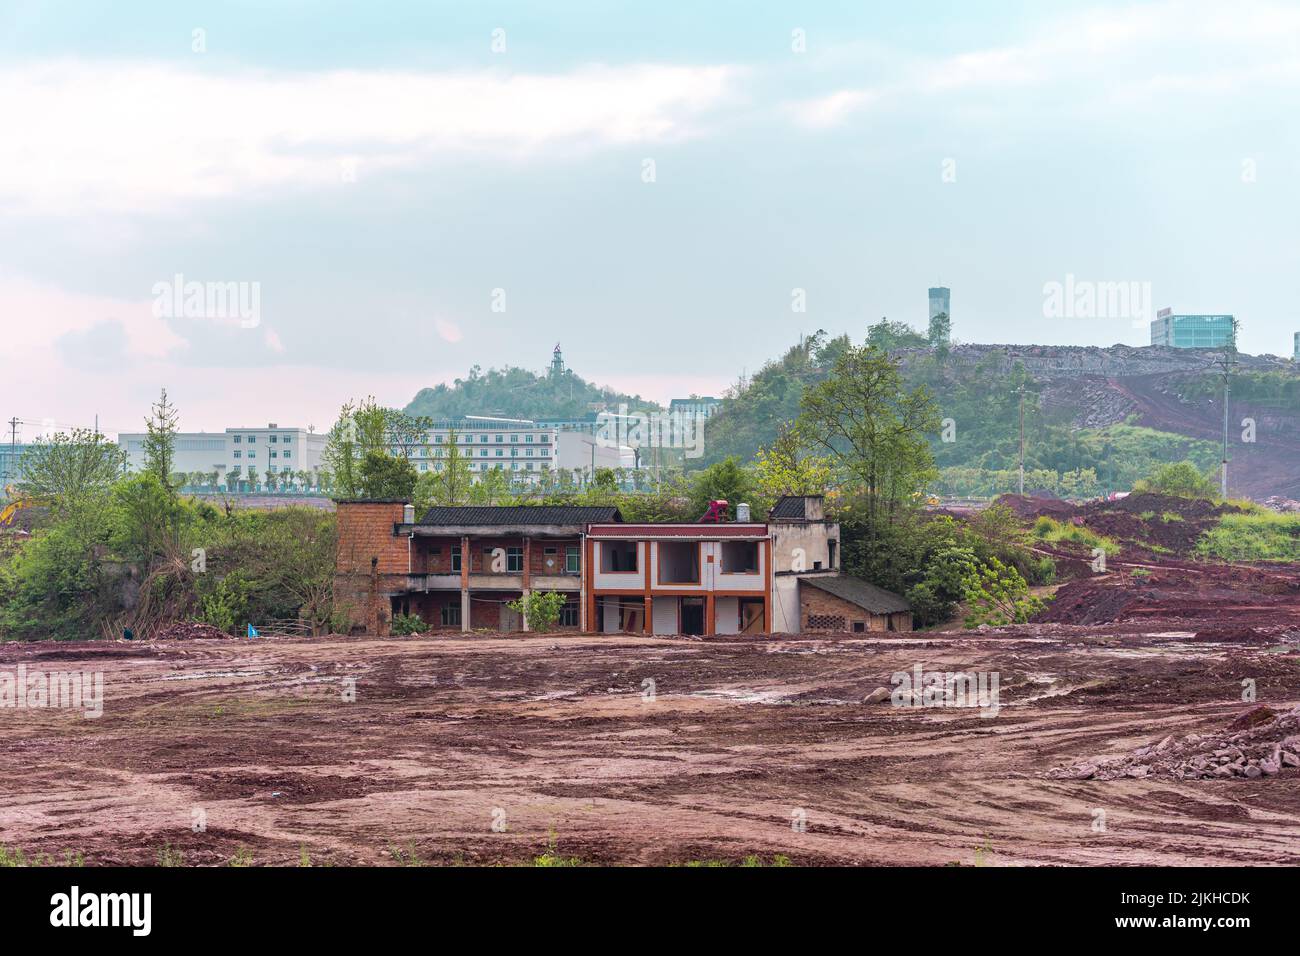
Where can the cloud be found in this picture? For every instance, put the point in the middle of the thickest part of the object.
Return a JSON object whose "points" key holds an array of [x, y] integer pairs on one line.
{"points": [[448, 331], [1129, 56], [122, 135]]}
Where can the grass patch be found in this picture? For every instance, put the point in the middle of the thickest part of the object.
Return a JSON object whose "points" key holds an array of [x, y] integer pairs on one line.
{"points": [[243, 857], [1048, 529], [752, 860], [170, 855], [1255, 536]]}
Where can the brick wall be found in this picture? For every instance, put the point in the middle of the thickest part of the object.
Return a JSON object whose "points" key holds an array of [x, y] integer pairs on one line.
{"points": [[827, 610], [370, 563]]}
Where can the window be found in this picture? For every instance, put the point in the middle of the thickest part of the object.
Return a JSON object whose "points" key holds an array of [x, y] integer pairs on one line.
{"points": [[618, 557], [251, 453], [272, 439], [528, 438], [286, 453], [739, 557], [455, 561], [239, 454], [286, 439], [251, 439], [450, 615], [571, 559], [830, 548], [499, 452], [272, 454], [514, 560], [859, 627], [514, 438], [500, 438], [679, 562], [482, 439], [237, 439]]}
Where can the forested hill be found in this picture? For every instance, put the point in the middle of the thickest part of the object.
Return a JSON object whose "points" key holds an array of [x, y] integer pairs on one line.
{"points": [[1095, 418], [518, 393]]}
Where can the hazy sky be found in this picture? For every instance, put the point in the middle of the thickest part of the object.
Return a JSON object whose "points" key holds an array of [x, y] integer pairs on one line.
{"points": [[379, 169]]}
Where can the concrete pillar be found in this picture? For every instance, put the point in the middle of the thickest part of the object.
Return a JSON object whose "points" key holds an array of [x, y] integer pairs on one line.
{"points": [[464, 583], [528, 560]]}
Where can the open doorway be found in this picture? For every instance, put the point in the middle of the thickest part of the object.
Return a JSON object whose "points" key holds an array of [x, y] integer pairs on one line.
{"points": [[692, 615]]}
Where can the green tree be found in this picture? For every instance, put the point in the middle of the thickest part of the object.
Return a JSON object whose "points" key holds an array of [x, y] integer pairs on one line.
{"points": [[728, 480], [874, 429], [997, 595], [71, 469], [160, 441], [384, 476], [784, 468], [541, 609], [888, 336], [943, 586]]}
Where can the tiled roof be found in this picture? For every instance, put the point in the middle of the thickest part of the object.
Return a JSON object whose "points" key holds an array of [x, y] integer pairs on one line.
{"points": [[857, 591], [520, 515], [788, 506], [702, 531]]}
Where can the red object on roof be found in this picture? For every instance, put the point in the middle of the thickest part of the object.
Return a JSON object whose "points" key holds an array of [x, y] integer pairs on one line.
{"points": [[717, 512], [700, 531]]}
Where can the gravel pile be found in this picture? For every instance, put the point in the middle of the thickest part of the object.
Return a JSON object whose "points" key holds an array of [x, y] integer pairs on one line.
{"points": [[1259, 743]]}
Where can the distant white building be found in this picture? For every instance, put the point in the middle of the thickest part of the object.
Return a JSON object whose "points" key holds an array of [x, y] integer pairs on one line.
{"points": [[236, 451], [525, 450]]}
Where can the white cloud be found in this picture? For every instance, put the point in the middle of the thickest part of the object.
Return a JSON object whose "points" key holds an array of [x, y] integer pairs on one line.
{"points": [[1110, 56], [125, 136]]}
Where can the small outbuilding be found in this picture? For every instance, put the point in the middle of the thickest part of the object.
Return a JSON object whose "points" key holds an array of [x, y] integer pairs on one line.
{"points": [[836, 602]]}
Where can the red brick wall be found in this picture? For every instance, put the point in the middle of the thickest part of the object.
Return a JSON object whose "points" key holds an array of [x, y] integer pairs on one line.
{"points": [[814, 601], [365, 532]]}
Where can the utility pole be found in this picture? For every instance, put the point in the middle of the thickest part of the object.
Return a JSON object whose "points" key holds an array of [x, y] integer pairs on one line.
{"points": [[1227, 363], [12, 468], [1021, 485]]}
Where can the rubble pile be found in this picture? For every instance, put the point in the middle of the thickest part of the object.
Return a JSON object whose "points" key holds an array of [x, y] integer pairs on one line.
{"points": [[1259, 743], [190, 631]]}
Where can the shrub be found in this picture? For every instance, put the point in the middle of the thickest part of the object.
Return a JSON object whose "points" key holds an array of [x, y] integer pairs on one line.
{"points": [[541, 609], [407, 624]]}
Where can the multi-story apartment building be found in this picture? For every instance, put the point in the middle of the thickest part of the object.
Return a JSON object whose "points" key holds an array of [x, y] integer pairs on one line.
{"points": [[459, 569], [236, 451]]}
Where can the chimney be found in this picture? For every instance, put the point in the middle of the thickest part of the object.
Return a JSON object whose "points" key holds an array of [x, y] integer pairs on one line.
{"points": [[742, 512], [408, 514]]}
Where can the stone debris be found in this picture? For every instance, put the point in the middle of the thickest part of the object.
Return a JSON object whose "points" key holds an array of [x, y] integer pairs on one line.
{"points": [[1260, 742]]}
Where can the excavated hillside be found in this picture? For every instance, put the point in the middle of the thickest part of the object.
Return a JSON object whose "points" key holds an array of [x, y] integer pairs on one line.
{"points": [[1097, 387]]}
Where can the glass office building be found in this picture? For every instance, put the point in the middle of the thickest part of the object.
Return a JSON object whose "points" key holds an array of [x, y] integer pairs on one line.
{"points": [[1193, 331]]}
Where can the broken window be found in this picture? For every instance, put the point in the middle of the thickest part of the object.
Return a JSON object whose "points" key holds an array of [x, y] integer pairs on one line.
{"points": [[617, 556], [679, 562], [739, 557]]}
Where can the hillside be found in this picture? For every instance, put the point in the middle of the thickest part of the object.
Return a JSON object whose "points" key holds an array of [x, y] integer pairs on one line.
{"points": [[510, 392], [1113, 411]]}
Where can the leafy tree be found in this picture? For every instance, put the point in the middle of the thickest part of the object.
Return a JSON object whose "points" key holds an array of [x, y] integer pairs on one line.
{"points": [[71, 469], [940, 331], [943, 586], [889, 336], [492, 488], [384, 476], [784, 468], [728, 480], [874, 429], [160, 440], [997, 594], [541, 609]]}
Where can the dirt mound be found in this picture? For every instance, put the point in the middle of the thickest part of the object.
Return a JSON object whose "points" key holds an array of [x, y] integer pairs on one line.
{"points": [[1027, 506], [1259, 743], [1082, 602], [190, 631], [1233, 635]]}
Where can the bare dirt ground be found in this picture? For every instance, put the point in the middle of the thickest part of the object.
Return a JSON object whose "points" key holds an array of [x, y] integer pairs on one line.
{"points": [[557, 740]]}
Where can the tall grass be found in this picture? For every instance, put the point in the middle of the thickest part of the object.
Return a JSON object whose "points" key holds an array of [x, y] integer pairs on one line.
{"points": [[1048, 529], [1256, 536]]}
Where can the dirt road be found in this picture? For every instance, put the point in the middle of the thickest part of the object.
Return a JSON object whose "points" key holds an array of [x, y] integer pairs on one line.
{"points": [[630, 750]]}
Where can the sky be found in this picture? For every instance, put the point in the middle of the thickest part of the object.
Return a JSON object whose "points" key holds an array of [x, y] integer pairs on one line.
{"points": [[675, 192]]}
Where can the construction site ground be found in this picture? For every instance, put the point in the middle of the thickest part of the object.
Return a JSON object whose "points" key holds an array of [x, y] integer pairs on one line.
{"points": [[498, 749]]}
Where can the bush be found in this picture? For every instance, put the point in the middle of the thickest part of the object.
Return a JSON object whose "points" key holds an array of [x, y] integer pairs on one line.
{"points": [[1048, 529], [405, 625], [998, 595], [540, 609], [1182, 479]]}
